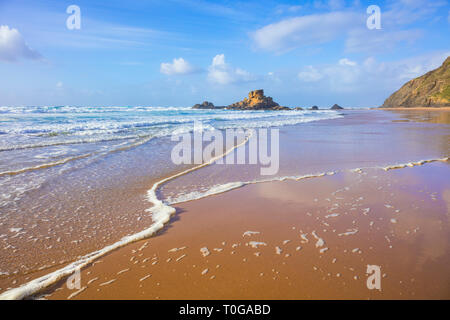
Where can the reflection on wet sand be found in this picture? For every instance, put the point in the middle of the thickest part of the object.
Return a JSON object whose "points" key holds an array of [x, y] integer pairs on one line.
{"points": [[317, 234], [432, 116], [304, 239]]}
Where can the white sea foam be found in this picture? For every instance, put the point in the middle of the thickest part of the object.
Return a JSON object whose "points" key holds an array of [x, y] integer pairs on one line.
{"points": [[180, 257], [323, 250], [204, 251], [221, 188], [195, 195], [256, 244], [348, 232], [413, 164], [320, 242], [44, 165], [249, 233], [106, 283], [304, 238], [161, 214], [145, 277], [76, 293], [177, 249]]}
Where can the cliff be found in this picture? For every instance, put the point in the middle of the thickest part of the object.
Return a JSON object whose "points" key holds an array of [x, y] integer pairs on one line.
{"points": [[430, 90]]}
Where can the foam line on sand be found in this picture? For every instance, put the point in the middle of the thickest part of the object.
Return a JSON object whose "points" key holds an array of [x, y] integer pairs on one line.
{"points": [[161, 213]]}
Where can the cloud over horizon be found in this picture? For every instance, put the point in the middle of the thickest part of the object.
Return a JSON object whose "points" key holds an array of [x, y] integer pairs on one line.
{"points": [[13, 46], [348, 76], [220, 72], [291, 33], [178, 66], [348, 24]]}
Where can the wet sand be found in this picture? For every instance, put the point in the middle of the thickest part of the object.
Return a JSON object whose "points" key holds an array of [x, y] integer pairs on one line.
{"points": [[282, 211], [419, 108], [306, 239]]}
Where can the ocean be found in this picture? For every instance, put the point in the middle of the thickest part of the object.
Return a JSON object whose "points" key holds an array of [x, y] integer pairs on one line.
{"points": [[79, 182], [34, 139], [76, 179]]}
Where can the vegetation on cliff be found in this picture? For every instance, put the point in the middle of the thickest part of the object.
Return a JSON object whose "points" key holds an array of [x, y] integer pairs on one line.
{"points": [[430, 90]]}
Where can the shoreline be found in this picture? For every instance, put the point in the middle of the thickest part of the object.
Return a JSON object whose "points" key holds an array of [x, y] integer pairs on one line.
{"points": [[321, 252], [160, 214], [324, 123], [49, 279]]}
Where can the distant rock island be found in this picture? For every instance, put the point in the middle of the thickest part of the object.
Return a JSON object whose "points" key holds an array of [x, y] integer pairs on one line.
{"points": [[207, 105], [256, 101], [430, 90]]}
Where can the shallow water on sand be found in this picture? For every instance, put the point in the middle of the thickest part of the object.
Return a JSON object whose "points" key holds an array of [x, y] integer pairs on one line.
{"points": [[74, 179], [307, 239], [91, 202], [360, 139]]}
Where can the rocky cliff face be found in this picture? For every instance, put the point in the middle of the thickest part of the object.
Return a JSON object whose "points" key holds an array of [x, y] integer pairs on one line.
{"points": [[256, 101], [430, 90]]}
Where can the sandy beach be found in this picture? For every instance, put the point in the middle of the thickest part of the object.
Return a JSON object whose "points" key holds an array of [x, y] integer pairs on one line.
{"points": [[341, 201], [224, 159], [306, 239]]}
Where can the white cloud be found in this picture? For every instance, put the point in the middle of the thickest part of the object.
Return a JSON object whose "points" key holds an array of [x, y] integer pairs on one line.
{"points": [[281, 9], [350, 24], [13, 47], [294, 8], [222, 73], [347, 76], [407, 69], [342, 77], [218, 60], [311, 29], [95, 33], [310, 74], [178, 66], [347, 62], [404, 12], [364, 40], [336, 4]]}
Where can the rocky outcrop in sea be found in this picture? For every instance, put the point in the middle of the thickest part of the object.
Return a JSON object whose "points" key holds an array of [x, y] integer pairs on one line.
{"points": [[256, 101]]}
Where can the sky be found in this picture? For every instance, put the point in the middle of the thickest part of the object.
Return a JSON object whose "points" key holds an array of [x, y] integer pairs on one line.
{"points": [[182, 52]]}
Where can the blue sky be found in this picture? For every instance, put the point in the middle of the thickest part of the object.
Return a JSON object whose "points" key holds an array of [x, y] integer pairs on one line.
{"points": [[182, 52]]}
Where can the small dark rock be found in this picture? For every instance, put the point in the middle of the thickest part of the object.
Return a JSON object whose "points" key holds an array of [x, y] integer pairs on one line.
{"points": [[206, 105]]}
